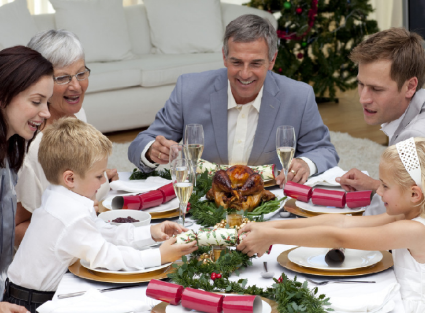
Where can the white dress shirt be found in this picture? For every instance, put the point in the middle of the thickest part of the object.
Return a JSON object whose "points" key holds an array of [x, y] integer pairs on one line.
{"points": [[242, 121], [64, 229], [390, 127]]}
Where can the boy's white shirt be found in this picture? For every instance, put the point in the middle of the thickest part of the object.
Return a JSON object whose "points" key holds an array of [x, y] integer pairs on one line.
{"points": [[64, 229]]}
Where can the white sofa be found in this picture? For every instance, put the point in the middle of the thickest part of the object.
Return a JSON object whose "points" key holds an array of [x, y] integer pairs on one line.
{"points": [[127, 94]]}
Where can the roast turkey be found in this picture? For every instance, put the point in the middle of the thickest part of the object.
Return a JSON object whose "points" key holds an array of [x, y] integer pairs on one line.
{"points": [[239, 187]]}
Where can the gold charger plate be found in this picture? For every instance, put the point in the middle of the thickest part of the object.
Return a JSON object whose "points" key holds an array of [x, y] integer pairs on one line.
{"points": [[154, 215], [292, 208], [78, 270], [270, 183], [384, 264], [160, 308]]}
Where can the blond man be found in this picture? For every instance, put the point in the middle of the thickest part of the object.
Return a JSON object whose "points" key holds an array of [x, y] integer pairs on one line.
{"points": [[65, 228], [391, 74]]}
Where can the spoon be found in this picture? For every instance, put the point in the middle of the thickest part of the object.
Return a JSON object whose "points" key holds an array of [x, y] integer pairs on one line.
{"points": [[266, 274]]}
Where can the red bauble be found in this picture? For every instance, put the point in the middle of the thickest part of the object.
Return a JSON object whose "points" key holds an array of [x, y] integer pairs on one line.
{"points": [[280, 70], [218, 275], [213, 276], [300, 55], [279, 280], [299, 10]]}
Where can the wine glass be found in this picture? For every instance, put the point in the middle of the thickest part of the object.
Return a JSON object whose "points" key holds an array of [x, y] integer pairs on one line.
{"points": [[285, 146], [176, 152], [194, 143], [183, 177]]}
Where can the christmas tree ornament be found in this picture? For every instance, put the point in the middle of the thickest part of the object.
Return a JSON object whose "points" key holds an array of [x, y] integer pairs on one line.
{"points": [[304, 44], [299, 10], [300, 55], [287, 5]]}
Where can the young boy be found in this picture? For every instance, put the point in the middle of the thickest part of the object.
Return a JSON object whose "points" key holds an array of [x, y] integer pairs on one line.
{"points": [[65, 228]]}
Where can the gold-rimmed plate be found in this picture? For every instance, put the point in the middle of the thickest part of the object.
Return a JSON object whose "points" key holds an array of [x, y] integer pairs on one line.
{"points": [[154, 215], [384, 264], [291, 207], [78, 270]]}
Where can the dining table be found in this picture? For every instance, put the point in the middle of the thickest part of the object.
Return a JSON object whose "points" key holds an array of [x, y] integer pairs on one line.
{"points": [[71, 283]]}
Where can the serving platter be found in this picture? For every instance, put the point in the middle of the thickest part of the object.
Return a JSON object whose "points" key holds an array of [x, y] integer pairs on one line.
{"points": [[291, 207], [80, 271], [384, 264], [315, 258]]}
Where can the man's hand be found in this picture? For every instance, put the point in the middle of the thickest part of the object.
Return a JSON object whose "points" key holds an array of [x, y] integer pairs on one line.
{"points": [[298, 172], [258, 240], [171, 251], [6, 307], [165, 230], [159, 151], [355, 180], [112, 174]]}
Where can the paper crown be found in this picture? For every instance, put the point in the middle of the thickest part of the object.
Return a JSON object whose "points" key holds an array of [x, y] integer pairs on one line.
{"points": [[409, 157]]}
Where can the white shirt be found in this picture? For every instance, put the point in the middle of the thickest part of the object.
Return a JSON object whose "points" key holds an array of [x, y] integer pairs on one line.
{"points": [[64, 229], [242, 121], [390, 127]]}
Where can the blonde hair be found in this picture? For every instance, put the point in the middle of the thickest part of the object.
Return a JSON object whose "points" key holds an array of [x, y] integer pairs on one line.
{"points": [[71, 144], [400, 175]]}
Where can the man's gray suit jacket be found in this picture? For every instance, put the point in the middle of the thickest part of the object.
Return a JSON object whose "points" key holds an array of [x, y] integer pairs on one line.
{"points": [[201, 98]]}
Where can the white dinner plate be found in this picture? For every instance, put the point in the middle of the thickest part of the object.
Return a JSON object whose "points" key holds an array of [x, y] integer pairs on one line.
{"points": [[310, 207], [315, 258], [180, 309], [169, 206], [86, 264]]}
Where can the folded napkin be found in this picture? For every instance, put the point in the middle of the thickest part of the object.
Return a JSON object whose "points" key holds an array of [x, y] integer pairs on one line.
{"points": [[144, 185], [376, 302], [94, 302], [327, 178]]}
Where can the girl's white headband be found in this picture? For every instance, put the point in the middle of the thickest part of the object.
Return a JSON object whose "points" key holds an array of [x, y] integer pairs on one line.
{"points": [[409, 157]]}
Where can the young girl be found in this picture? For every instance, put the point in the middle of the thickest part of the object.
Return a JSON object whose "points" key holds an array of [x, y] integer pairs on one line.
{"points": [[26, 83], [401, 229]]}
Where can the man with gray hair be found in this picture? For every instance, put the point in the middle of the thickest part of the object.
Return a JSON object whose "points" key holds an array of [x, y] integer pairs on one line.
{"points": [[240, 108]]}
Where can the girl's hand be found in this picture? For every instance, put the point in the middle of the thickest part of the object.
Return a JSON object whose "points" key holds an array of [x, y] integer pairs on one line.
{"points": [[6, 307], [258, 240], [165, 230], [171, 252]]}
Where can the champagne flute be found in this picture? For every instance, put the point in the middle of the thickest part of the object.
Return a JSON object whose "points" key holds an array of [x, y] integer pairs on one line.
{"points": [[194, 143], [176, 152], [183, 176], [285, 146]]}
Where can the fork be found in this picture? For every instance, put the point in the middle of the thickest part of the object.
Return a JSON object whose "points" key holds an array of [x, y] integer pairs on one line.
{"points": [[325, 282]]}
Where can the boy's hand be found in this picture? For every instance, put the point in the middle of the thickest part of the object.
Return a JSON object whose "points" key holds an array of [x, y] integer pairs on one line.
{"points": [[171, 252], [112, 174], [258, 239], [6, 307], [165, 230]]}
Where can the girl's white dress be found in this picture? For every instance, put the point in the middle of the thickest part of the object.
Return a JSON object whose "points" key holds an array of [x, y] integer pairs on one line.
{"points": [[411, 276]]}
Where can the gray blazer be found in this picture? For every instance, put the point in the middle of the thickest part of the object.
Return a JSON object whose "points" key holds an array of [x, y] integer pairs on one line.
{"points": [[201, 98]]}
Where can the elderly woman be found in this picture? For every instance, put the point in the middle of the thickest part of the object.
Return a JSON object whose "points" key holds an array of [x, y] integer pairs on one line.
{"points": [[26, 83], [63, 49]]}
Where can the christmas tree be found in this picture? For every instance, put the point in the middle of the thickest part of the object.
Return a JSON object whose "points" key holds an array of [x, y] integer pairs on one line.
{"points": [[315, 40]]}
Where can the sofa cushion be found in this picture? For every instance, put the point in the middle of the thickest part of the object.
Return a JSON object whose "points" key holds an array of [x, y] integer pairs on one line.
{"points": [[185, 26], [149, 70], [138, 28], [99, 24], [16, 24]]}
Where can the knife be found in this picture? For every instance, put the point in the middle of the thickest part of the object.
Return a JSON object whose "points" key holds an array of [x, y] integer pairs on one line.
{"points": [[80, 293]]}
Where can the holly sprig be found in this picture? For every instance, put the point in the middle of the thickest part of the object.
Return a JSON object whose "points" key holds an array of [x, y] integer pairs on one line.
{"points": [[291, 295]]}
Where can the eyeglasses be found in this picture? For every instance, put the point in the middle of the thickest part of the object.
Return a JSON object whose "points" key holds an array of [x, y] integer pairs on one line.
{"points": [[66, 79]]}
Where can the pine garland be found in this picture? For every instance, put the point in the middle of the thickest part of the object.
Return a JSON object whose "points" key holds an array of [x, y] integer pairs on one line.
{"points": [[292, 296], [136, 175]]}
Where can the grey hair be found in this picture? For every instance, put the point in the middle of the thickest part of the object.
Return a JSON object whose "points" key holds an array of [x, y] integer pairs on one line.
{"points": [[248, 28], [60, 47]]}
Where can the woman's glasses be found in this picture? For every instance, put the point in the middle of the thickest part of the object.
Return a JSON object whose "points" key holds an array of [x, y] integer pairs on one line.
{"points": [[66, 79]]}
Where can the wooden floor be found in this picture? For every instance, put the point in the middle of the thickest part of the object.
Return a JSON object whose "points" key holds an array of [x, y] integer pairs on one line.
{"points": [[345, 116]]}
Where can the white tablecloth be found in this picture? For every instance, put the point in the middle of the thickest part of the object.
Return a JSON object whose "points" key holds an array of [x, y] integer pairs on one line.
{"points": [[71, 283]]}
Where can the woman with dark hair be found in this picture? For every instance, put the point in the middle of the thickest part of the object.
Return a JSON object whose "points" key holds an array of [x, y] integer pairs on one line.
{"points": [[26, 84]]}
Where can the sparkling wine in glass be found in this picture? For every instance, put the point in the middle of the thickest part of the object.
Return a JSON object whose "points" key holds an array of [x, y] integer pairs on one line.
{"points": [[183, 176], [194, 143], [285, 146]]}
